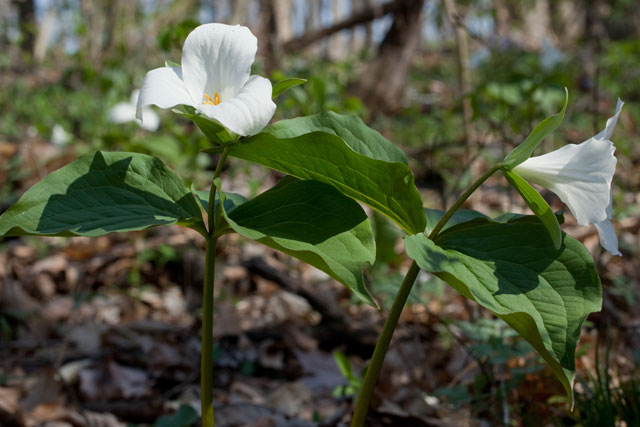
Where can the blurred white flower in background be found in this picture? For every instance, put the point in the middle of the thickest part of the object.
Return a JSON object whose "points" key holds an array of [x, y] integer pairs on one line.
{"points": [[59, 136], [581, 175], [124, 112], [215, 79]]}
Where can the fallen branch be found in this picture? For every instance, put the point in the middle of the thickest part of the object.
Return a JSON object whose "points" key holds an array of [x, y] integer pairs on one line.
{"points": [[356, 19]]}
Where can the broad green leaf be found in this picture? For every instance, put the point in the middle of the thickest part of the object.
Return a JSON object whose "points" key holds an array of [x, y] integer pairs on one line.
{"points": [[543, 293], [357, 135], [387, 187], [314, 222], [100, 193], [523, 151], [213, 130], [285, 85], [459, 216], [538, 205]]}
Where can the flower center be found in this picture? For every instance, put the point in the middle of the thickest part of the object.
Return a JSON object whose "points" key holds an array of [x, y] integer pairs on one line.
{"points": [[209, 101]]}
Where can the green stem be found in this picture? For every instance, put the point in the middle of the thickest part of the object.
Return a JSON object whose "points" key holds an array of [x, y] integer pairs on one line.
{"points": [[461, 200], [206, 358], [380, 351], [373, 370], [211, 212]]}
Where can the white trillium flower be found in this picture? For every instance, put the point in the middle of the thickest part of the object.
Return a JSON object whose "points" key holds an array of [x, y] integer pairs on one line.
{"points": [[124, 112], [215, 79], [581, 175]]}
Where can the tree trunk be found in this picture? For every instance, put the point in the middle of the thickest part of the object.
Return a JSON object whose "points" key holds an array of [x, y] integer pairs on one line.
{"points": [[457, 18], [239, 12], [382, 84], [282, 10], [267, 36], [27, 24]]}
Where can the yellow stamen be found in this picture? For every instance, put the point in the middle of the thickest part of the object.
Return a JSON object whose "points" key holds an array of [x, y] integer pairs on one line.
{"points": [[209, 101]]}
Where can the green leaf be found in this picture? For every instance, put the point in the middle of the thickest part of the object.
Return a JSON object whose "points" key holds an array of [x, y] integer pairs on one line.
{"points": [[314, 222], [387, 187], [169, 63], [523, 151], [538, 205], [357, 135], [100, 193], [285, 85], [213, 130], [543, 293]]}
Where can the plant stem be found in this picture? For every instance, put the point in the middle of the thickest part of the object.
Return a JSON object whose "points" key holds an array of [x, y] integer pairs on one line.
{"points": [[461, 200], [206, 358], [373, 371], [211, 212], [380, 351]]}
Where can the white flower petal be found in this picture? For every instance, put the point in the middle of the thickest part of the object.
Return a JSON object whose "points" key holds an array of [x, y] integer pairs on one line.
{"points": [[123, 112], [579, 174], [162, 87], [151, 120], [248, 112], [217, 58], [608, 238], [611, 123]]}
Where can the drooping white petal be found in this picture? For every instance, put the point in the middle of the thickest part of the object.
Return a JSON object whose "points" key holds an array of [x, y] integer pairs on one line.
{"points": [[608, 238], [217, 58], [151, 120], [611, 123], [248, 112], [163, 87], [579, 174]]}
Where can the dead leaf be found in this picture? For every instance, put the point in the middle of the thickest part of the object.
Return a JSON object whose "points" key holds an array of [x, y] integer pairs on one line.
{"points": [[112, 381]]}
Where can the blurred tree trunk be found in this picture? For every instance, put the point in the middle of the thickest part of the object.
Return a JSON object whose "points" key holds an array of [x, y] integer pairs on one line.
{"points": [[121, 34], [358, 7], [337, 50], [282, 10], [267, 36], [239, 12], [43, 38], [382, 83], [457, 18], [95, 22], [27, 24]]}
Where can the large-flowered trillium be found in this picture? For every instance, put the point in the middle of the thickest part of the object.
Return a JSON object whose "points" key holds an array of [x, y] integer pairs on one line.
{"points": [[214, 79], [581, 175]]}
